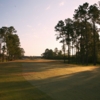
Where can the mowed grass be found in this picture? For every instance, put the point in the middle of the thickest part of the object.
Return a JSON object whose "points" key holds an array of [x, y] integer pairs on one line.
{"points": [[13, 86], [48, 80], [64, 81]]}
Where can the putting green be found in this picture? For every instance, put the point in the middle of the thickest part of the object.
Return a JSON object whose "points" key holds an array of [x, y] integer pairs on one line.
{"points": [[62, 81]]}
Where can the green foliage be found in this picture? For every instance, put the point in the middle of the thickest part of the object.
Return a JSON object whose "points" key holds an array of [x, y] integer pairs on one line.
{"points": [[81, 34], [10, 43], [50, 54]]}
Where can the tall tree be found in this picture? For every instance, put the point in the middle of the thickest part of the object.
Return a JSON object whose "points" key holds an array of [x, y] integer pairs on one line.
{"points": [[1, 38], [60, 28], [81, 14], [11, 42], [69, 33], [94, 14], [82, 33]]}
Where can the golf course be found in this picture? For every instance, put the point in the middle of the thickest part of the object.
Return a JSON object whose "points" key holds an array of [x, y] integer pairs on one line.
{"points": [[41, 79], [50, 50]]}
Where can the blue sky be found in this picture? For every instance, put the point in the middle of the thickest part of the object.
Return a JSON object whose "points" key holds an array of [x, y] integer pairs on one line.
{"points": [[35, 20]]}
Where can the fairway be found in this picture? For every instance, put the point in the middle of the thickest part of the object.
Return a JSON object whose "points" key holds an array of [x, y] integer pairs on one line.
{"points": [[62, 81], [13, 85], [50, 50], [48, 80]]}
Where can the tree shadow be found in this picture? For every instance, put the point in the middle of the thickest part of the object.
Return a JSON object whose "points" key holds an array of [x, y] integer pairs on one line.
{"points": [[77, 86], [83, 85], [45, 66], [13, 86]]}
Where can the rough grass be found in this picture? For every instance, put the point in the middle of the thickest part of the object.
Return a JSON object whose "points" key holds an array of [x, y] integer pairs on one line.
{"points": [[13, 86]]}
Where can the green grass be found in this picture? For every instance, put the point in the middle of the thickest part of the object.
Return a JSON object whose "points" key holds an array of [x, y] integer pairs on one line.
{"points": [[54, 81], [13, 86], [65, 81]]}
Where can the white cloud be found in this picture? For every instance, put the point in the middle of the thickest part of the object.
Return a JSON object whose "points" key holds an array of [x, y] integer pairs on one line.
{"points": [[48, 8], [62, 3]]}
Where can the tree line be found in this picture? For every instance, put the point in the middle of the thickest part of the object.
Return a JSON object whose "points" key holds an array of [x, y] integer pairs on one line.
{"points": [[52, 54], [81, 35], [10, 48]]}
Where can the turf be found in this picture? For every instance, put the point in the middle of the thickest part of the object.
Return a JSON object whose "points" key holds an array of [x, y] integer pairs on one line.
{"points": [[64, 82], [48, 80], [13, 86]]}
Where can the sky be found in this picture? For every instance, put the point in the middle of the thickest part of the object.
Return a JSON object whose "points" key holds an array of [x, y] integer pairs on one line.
{"points": [[35, 20]]}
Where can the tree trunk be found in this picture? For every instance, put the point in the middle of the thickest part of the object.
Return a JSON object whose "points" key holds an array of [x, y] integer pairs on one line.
{"points": [[68, 49], [94, 43], [68, 53], [86, 43], [0, 48], [64, 49], [2, 57], [81, 50]]}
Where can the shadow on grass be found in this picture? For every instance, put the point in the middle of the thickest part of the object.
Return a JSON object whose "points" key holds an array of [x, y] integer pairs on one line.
{"points": [[13, 86], [44, 66], [77, 86], [84, 85]]}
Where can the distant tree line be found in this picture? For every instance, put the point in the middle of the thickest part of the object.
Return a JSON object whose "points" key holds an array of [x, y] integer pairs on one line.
{"points": [[10, 44], [81, 34], [50, 54]]}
